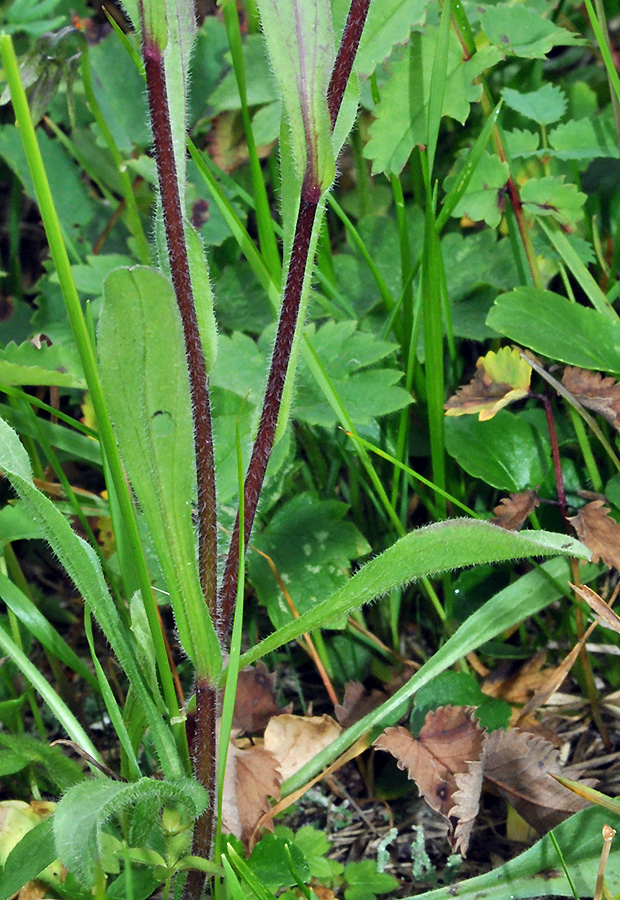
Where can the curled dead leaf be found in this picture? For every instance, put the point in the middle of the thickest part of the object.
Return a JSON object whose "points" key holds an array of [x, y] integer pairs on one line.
{"points": [[357, 703], [595, 392], [449, 739], [599, 532], [520, 766], [511, 512], [255, 701], [295, 740], [252, 777], [500, 379]]}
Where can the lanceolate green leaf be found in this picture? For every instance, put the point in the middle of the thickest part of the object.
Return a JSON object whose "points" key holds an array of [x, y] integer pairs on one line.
{"points": [[300, 41], [145, 380], [525, 597], [35, 852], [83, 567], [427, 551], [552, 325], [538, 872]]}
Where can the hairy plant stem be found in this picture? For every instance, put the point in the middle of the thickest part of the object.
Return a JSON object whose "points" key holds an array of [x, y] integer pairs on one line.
{"points": [[179, 267], [288, 322], [205, 768]]}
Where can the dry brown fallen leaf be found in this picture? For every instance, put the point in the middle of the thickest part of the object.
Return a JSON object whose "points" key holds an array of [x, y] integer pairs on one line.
{"points": [[599, 532], [511, 512], [466, 805], [252, 777], [449, 739], [501, 378], [517, 685], [255, 701], [519, 765], [599, 606], [294, 740], [592, 390], [357, 703]]}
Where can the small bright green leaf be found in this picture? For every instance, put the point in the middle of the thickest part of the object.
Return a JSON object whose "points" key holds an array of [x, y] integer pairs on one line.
{"points": [[300, 42], [85, 809], [538, 872], [587, 138], [34, 853], [365, 881], [483, 200], [546, 105], [426, 551], [506, 451], [58, 364], [563, 331], [149, 402], [313, 561], [393, 135], [550, 196], [315, 846], [501, 378], [522, 31], [522, 143], [269, 862]]}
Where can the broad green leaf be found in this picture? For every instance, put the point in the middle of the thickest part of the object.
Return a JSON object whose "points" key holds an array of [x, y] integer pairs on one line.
{"points": [[16, 524], [587, 138], [351, 359], [119, 90], [424, 552], [89, 276], [84, 811], [58, 364], [34, 853], [563, 331], [459, 689], [83, 567], [313, 561], [506, 451], [525, 597], [315, 847], [392, 134], [522, 31], [300, 42], [550, 196], [388, 23], [262, 87], [538, 872], [483, 200], [146, 384], [546, 105], [38, 626]]}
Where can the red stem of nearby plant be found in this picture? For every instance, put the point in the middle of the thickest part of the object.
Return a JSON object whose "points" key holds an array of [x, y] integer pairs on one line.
{"points": [[555, 455], [179, 267], [310, 197]]}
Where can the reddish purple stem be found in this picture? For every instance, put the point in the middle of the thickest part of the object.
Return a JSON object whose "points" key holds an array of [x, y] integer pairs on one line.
{"points": [[179, 267], [263, 445]]}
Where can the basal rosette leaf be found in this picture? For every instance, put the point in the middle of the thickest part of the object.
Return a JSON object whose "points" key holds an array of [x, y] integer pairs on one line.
{"points": [[484, 199], [522, 31]]}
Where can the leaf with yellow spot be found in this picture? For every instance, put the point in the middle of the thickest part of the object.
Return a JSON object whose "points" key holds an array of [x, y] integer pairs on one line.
{"points": [[500, 379]]}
